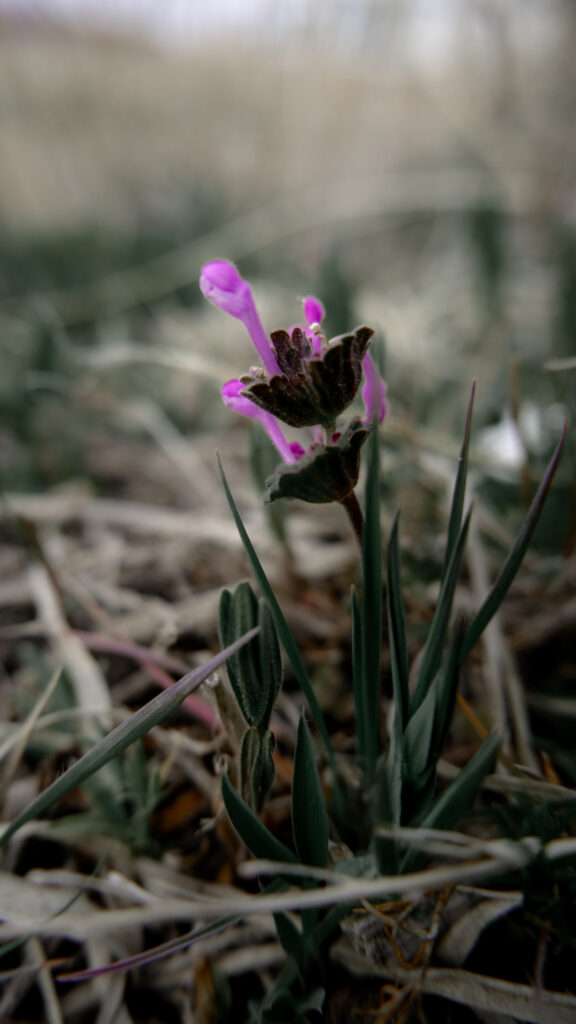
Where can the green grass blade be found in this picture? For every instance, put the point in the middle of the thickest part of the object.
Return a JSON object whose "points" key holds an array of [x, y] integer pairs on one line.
{"points": [[447, 687], [458, 797], [358, 676], [419, 737], [283, 629], [309, 815], [397, 630], [122, 736], [291, 939], [461, 793], [498, 592], [435, 641], [389, 783], [457, 506], [371, 619], [251, 830]]}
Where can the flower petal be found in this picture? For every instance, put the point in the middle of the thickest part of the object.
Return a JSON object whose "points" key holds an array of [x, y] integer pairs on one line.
{"points": [[234, 399], [373, 392], [223, 286], [313, 310]]}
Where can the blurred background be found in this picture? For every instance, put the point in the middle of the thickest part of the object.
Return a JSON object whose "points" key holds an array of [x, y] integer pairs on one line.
{"points": [[412, 163]]}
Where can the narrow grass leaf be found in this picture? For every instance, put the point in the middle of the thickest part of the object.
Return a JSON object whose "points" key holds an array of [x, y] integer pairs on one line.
{"points": [[419, 735], [462, 792], [447, 688], [397, 630], [498, 592], [457, 506], [290, 938], [283, 628], [457, 798], [389, 783], [251, 830], [436, 637], [358, 677], [372, 604], [122, 736], [309, 815]]}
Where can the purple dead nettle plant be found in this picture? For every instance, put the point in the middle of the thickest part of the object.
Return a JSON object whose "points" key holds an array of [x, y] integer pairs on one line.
{"points": [[306, 381]]}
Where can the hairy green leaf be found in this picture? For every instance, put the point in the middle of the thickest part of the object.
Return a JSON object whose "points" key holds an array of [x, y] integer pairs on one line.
{"points": [[285, 634], [255, 671]]}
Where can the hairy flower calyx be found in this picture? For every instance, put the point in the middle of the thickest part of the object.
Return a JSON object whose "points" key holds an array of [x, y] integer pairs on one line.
{"points": [[312, 388]]}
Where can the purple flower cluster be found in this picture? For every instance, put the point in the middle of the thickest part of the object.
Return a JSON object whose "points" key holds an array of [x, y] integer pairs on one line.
{"points": [[304, 379]]}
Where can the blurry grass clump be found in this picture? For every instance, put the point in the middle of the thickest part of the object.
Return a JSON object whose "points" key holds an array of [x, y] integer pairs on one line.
{"points": [[51, 411]]}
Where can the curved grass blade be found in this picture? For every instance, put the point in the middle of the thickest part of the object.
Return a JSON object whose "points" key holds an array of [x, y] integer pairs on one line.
{"points": [[253, 832], [435, 641], [506, 575], [447, 689], [122, 736], [461, 793]]}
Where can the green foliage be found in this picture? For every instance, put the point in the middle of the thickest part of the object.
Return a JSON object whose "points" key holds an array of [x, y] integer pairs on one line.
{"points": [[251, 830], [309, 814], [284, 631], [367, 622], [132, 729], [256, 766], [514, 560], [255, 672], [399, 781], [120, 804]]}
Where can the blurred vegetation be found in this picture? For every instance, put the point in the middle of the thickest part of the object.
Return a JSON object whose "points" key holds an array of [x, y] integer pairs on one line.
{"points": [[433, 200]]}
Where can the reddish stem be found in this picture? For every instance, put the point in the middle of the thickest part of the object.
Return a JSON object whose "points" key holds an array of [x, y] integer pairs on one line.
{"points": [[354, 512]]}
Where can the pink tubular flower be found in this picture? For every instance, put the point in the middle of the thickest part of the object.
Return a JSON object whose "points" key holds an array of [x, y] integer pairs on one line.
{"points": [[223, 287], [373, 392], [313, 311], [307, 380], [235, 400]]}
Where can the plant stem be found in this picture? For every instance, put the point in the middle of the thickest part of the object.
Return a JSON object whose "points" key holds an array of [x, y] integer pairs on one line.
{"points": [[352, 506]]}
